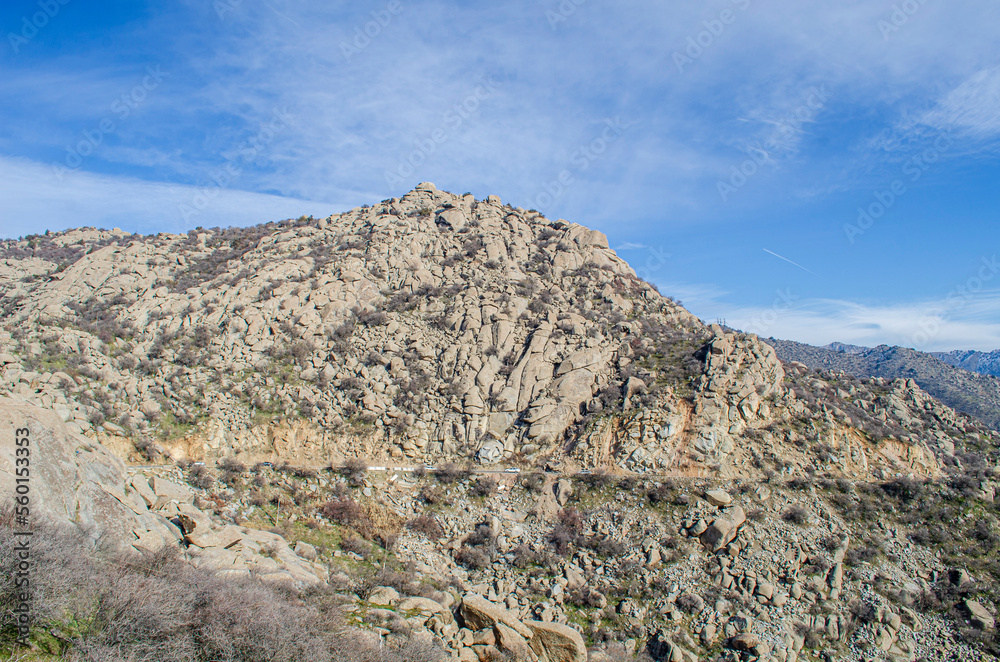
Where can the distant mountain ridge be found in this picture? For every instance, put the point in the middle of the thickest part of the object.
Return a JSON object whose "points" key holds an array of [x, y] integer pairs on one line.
{"points": [[985, 363], [847, 349], [970, 392]]}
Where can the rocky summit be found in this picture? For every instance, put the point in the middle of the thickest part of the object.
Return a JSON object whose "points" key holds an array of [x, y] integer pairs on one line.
{"points": [[428, 328], [447, 428]]}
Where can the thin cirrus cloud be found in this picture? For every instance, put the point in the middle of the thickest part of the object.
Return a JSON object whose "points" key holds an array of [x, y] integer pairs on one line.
{"points": [[138, 206], [836, 102], [361, 117], [966, 320], [973, 107]]}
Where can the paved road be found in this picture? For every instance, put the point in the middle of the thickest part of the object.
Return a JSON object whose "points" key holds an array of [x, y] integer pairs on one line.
{"points": [[432, 469]]}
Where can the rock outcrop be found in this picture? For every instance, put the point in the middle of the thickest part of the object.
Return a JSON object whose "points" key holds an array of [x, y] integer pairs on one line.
{"points": [[75, 482], [423, 329]]}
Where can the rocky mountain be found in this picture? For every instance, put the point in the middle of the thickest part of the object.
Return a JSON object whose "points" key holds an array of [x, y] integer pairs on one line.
{"points": [[432, 327], [986, 363], [566, 465], [975, 394], [847, 349]]}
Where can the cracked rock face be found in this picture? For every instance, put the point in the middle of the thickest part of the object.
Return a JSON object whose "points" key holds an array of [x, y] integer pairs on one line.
{"points": [[75, 482]]}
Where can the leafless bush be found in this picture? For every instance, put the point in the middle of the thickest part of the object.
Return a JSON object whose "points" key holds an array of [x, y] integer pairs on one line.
{"points": [[357, 546], [157, 607], [232, 465], [663, 493], [561, 539], [534, 482], [200, 477], [595, 480], [347, 512], [426, 525], [571, 519], [355, 468], [690, 602], [796, 515], [484, 487], [473, 558], [452, 473], [524, 556], [483, 536], [587, 597], [432, 494], [857, 555]]}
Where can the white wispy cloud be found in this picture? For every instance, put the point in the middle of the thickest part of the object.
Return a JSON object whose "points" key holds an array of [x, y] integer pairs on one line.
{"points": [[35, 200], [973, 107], [966, 321], [357, 117]]}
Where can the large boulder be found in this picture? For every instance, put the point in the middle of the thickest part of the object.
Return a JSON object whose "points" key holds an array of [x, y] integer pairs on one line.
{"points": [[724, 529], [74, 481], [556, 643], [978, 615], [478, 613]]}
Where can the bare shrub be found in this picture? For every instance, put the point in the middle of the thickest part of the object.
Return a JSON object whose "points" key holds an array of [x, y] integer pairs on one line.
{"points": [[690, 602], [452, 473], [347, 512], [357, 546], [796, 515], [432, 494], [355, 468], [426, 525], [595, 480], [148, 608], [484, 487], [663, 493], [472, 558], [524, 556], [200, 477], [587, 597], [233, 465], [571, 518], [534, 482]]}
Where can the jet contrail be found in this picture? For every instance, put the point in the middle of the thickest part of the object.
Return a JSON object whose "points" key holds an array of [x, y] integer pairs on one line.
{"points": [[282, 15], [788, 261]]}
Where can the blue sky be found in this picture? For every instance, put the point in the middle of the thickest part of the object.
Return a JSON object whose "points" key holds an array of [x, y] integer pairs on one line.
{"points": [[727, 148]]}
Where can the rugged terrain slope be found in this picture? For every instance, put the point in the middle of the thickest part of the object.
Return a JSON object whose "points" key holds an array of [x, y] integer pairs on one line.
{"points": [[944, 376], [648, 486], [986, 363], [432, 327]]}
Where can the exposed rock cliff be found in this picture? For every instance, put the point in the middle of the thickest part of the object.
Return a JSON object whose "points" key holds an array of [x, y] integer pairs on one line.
{"points": [[427, 328]]}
